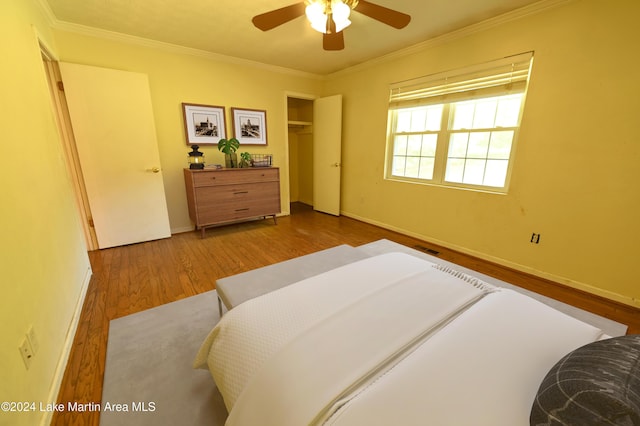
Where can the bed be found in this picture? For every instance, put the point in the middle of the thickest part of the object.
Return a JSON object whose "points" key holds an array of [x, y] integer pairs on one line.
{"points": [[391, 339]]}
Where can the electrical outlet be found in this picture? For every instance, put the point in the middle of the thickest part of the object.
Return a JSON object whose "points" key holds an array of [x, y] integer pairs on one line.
{"points": [[33, 340], [26, 351]]}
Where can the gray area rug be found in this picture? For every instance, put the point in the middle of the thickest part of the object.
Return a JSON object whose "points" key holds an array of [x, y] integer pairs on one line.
{"points": [[149, 356], [148, 367]]}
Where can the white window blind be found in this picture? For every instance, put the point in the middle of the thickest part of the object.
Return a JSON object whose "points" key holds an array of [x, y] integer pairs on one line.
{"points": [[496, 78]]}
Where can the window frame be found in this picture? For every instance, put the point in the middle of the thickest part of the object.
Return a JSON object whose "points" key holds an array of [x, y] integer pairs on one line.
{"points": [[446, 131]]}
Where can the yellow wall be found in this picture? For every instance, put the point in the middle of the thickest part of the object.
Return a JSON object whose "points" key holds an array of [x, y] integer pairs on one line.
{"points": [[43, 259], [294, 169], [301, 166], [305, 165], [177, 77], [576, 178]]}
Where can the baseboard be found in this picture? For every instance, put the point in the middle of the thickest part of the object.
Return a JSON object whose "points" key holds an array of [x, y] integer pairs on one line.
{"points": [[182, 229], [66, 349], [503, 262]]}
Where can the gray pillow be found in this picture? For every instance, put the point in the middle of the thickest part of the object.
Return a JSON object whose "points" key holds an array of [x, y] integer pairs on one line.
{"points": [[597, 384]]}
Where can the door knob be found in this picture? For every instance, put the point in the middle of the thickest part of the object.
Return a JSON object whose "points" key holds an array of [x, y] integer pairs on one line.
{"points": [[335, 165], [154, 170]]}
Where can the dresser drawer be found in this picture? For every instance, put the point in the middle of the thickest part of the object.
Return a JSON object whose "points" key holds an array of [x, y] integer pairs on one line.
{"points": [[221, 197], [250, 209], [235, 201], [226, 177]]}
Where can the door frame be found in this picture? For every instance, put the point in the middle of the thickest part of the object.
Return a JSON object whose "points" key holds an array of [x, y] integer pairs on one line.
{"points": [[67, 139], [287, 176]]}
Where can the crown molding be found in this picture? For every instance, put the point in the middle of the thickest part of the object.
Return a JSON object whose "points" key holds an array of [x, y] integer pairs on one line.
{"points": [[514, 15], [46, 12], [530, 10], [166, 47]]}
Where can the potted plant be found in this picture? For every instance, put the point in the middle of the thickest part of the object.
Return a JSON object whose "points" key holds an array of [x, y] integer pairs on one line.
{"points": [[245, 159], [229, 147]]}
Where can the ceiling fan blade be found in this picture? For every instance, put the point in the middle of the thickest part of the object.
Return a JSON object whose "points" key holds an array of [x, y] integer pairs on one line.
{"points": [[380, 13], [333, 41], [277, 17]]}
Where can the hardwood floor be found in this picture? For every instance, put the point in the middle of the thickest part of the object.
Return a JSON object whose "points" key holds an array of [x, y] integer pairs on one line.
{"points": [[133, 278]]}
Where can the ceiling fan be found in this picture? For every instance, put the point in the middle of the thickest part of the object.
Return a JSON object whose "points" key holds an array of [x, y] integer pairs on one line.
{"points": [[330, 17]]}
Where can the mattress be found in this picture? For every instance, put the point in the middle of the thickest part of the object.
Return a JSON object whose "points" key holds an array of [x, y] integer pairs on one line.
{"points": [[392, 339]]}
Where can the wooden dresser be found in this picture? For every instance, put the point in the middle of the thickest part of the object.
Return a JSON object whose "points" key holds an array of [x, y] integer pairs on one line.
{"points": [[229, 195]]}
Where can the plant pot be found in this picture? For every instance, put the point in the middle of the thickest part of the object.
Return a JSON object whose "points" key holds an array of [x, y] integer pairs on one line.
{"points": [[231, 160]]}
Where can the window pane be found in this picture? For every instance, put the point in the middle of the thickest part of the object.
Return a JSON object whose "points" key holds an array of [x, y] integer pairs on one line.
{"points": [[485, 115], [508, 111], [458, 145], [474, 172], [403, 123], [413, 167], [496, 173], [418, 119], [415, 145], [463, 115], [478, 145], [434, 117], [397, 169], [455, 170], [429, 143], [426, 168], [500, 146], [400, 145]]}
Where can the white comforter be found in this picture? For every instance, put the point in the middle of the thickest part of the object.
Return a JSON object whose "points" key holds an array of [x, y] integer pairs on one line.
{"points": [[387, 340]]}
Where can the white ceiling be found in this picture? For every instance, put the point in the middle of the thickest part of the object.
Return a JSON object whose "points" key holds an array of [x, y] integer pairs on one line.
{"points": [[224, 27]]}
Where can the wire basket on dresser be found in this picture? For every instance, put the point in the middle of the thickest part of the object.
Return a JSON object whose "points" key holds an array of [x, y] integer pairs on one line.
{"points": [[261, 160]]}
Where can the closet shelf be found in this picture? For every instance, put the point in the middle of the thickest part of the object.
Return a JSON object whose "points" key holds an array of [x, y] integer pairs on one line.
{"points": [[295, 123]]}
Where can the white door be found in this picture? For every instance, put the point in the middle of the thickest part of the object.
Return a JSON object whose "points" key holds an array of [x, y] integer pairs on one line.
{"points": [[327, 154], [113, 124]]}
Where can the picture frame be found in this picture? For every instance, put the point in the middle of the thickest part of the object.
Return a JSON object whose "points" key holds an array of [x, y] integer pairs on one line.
{"points": [[204, 124], [250, 126]]}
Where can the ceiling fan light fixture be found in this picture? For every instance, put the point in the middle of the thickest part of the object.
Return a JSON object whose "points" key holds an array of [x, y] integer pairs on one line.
{"points": [[330, 17], [340, 13], [316, 16], [320, 11]]}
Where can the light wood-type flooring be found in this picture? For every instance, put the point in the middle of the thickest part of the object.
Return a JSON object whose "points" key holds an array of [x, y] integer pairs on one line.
{"points": [[133, 278]]}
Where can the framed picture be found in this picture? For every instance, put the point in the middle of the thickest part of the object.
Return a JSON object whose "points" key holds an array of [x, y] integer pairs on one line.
{"points": [[250, 126], [204, 124]]}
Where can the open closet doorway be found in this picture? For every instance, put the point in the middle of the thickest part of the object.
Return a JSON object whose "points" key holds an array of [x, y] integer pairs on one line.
{"points": [[315, 146]]}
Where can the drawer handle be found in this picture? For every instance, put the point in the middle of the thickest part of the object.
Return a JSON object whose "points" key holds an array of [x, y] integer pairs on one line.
{"points": [[241, 192], [242, 210]]}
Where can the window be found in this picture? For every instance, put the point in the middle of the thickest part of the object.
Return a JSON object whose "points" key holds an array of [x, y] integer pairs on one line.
{"points": [[458, 129]]}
